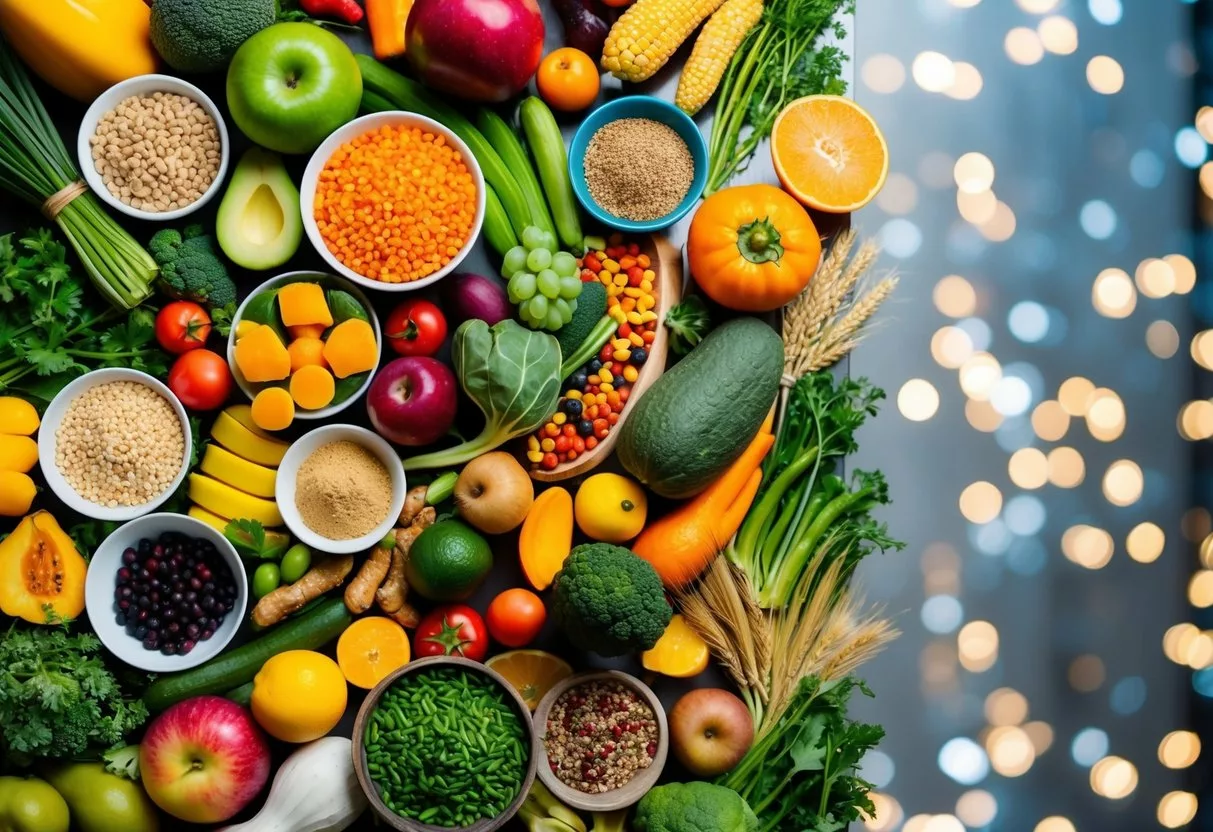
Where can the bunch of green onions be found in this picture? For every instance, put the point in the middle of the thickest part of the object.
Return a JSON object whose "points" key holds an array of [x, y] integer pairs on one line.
{"points": [[34, 165]]}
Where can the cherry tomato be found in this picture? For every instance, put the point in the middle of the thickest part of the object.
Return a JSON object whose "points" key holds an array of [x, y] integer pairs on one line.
{"points": [[454, 630], [201, 379], [416, 327], [182, 326], [515, 617], [568, 80]]}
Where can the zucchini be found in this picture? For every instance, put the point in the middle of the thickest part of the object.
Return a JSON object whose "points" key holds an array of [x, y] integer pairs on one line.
{"points": [[230, 670], [552, 161], [242, 695], [383, 89], [497, 228], [505, 141]]}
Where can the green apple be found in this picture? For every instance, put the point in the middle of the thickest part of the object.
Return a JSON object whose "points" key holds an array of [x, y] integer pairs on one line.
{"points": [[292, 84]]}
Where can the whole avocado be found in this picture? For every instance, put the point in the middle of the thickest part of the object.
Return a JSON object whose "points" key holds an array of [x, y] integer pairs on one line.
{"points": [[608, 601], [195, 36], [695, 420], [693, 807]]}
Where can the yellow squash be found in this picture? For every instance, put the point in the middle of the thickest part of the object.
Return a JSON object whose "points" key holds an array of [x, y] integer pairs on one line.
{"points": [[80, 47], [40, 571]]}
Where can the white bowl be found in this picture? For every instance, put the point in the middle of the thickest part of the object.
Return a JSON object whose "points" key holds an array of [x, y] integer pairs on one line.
{"points": [[250, 388], [349, 132], [146, 85], [102, 579], [288, 470], [48, 442]]}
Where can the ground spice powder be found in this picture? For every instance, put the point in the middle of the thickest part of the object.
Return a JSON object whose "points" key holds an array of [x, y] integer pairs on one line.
{"points": [[638, 169], [343, 491]]}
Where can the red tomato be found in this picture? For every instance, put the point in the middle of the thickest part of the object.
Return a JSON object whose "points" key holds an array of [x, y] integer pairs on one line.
{"points": [[515, 617], [182, 326], [201, 379], [416, 327], [455, 630]]}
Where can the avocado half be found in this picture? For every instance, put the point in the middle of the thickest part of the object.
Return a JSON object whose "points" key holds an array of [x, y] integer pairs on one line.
{"points": [[259, 225]]}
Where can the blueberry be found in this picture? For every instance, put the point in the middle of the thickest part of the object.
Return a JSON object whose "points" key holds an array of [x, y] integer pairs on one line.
{"points": [[572, 407], [120, 619], [150, 642], [585, 427], [141, 632], [639, 357], [578, 381], [593, 367], [129, 556]]}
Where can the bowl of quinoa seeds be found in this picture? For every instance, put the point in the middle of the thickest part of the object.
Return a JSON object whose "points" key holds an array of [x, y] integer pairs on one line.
{"points": [[119, 445], [638, 169], [157, 152]]}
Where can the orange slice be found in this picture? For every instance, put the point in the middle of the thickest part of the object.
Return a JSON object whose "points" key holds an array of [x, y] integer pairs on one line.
{"points": [[829, 153], [532, 672], [370, 649], [680, 652]]}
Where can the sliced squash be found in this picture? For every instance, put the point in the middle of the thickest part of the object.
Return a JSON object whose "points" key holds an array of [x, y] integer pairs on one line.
{"points": [[312, 387], [351, 348], [301, 304], [306, 351], [17, 453], [17, 492], [273, 409], [41, 573], [17, 416], [261, 356]]}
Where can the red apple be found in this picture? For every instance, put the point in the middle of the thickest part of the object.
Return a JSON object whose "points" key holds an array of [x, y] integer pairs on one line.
{"points": [[412, 400], [483, 50], [710, 731], [204, 759]]}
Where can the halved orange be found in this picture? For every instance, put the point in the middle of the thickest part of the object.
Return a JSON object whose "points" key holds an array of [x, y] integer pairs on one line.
{"points": [[829, 153], [370, 649], [532, 672]]}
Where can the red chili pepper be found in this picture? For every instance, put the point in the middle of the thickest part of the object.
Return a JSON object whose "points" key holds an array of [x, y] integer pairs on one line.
{"points": [[347, 11]]}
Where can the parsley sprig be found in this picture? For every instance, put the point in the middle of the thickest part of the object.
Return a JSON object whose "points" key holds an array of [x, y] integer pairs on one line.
{"points": [[53, 326]]}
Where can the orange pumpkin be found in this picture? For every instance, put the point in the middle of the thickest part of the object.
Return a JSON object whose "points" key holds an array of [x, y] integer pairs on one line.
{"points": [[752, 248]]}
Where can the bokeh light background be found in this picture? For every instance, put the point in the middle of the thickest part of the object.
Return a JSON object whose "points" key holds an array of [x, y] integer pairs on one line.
{"points": [[1047, 360]]}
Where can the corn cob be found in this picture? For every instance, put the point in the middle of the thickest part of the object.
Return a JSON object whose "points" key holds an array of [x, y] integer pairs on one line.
{"points": [[714, 48], [648, 33]]}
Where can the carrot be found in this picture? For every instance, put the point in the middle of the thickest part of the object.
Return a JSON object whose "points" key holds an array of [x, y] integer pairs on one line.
{"points": [[682, 544], [386, 19]]}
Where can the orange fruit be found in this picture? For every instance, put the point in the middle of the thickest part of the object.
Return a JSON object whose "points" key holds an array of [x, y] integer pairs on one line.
{"points": [[568, 80], [829, 153], [680, 652], [298, 696], [370, 649], [532, 672]]}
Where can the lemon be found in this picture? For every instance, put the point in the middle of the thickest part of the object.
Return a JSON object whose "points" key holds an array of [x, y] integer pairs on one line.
{"points": [[610, 508], [299, 695]]}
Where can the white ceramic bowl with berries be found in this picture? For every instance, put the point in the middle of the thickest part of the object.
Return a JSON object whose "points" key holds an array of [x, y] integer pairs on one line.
{"points": [[115, 586]]}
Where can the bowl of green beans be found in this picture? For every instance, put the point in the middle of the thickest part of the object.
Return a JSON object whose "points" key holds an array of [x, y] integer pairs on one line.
{"points": [[444, 743]]}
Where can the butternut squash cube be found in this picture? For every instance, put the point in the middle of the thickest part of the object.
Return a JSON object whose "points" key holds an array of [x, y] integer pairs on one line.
{"points": [[312, 387], [351, 348], [261, 355], [303, 304]]}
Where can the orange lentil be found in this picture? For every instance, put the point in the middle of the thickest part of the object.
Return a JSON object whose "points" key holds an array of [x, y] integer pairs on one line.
{"points": [[395, 204]]}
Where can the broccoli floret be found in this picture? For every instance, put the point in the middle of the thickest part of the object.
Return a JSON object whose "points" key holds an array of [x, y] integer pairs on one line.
{"points": [[609, 601], [193, 36], [693, 807], [190, 267], [73, 731]]}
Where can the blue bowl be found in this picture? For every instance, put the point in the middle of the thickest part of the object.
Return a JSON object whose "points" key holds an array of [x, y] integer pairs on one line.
{"points": [[638, 106]]}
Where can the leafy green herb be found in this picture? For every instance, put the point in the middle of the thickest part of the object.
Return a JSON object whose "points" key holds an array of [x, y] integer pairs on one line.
{"points": [[88, 535], [803, 772], [779, 61], [687, 323], [252, 540], [222, 318], [52, 333], [58, 700]]}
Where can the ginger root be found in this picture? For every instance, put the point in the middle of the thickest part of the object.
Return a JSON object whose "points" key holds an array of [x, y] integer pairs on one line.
{"points": [[414, 501], [360, 593], [407, 616], [392, 594], [324, 576]]}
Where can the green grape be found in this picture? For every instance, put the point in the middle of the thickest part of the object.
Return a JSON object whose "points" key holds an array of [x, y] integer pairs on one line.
{"points": [[548, 283], [554, 319], [538, 260], [570, 287], [511, 294], [566, 312], [534, 237], [525, 287], [515, 261], [538, 307], [549, 241], [572, 306], [564, 264]]}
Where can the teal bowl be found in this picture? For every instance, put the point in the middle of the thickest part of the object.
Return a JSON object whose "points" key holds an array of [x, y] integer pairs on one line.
{"points": [[638, 106]]}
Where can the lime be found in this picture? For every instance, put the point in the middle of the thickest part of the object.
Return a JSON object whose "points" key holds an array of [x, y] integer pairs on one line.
{"points": [[448, 562]]}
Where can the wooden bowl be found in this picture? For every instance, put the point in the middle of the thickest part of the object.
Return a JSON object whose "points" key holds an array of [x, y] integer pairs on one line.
{"points": [[635, 788], [668, 262], [403, 824]]}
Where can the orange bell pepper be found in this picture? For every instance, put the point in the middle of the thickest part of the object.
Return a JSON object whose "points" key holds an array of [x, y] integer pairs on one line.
{"points": [[386, 20]]}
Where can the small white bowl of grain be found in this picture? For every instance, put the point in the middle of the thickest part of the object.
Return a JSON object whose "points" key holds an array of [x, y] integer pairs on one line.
{"points": [[153, 147], [340, 488], [114, 444]]}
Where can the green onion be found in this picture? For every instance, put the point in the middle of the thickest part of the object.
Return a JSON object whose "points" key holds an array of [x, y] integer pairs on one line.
{"points": [[34, 165]]}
